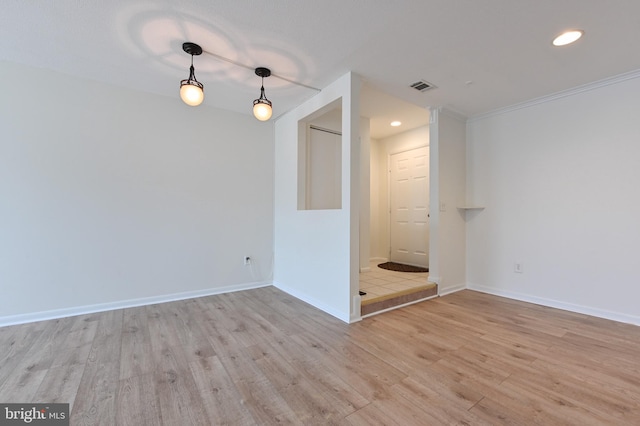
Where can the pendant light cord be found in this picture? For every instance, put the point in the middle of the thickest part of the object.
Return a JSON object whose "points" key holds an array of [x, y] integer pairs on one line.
{"points": [[192, 71], [222, 58]]}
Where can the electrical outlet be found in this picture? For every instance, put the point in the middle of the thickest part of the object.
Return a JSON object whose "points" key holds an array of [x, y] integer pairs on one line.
{"points": [[517, 268], [247, 260]]}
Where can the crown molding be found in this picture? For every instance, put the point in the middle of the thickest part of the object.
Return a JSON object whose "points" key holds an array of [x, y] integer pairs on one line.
{"points": [[559, 95], [447, 111]]}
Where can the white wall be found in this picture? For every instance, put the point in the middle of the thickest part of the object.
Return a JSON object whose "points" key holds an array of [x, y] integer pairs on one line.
{"points": [[316, 251], [110, 197], [323, 170], [380, 151], [447, 250], [559, 180], [376, 251], [365, 194]]}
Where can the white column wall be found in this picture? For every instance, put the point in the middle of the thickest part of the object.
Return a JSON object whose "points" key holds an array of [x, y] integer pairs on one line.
{"points": [[365, 194], [376, 221], [316, 251], [447, 249]]}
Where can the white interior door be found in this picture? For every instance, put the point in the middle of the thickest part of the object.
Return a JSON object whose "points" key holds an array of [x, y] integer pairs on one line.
{"points": [[409, 205]]}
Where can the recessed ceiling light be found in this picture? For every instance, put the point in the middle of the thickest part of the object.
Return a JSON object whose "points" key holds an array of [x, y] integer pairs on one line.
{"points": [[567, 37], [395, 123]]}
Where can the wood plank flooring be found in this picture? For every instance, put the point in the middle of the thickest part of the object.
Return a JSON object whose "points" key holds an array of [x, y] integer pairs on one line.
{"points": [[261, 357]]}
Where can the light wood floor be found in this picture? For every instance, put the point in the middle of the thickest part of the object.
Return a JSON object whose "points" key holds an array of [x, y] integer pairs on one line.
{"points": [[263, 357]]}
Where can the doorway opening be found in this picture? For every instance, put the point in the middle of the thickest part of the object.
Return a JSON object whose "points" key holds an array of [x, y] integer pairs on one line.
{"points": [[399, 168], [320, 160]]}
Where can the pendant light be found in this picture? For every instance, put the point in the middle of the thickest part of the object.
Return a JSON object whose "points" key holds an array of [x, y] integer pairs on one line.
{"points": [[262, 106], [191, 90]]}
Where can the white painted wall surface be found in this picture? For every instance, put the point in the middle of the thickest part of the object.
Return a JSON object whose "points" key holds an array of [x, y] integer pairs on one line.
{"points": [[376, 251], [324, 168], [449, 267], [365, 193], [559, 180], [316, 251], [111, 198]]}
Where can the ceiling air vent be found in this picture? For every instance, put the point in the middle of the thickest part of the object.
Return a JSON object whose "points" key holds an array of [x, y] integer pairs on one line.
{"points": [[422, 86]]}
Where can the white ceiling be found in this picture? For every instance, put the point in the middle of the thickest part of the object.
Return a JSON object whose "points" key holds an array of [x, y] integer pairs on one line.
{"points": [[481, 55]]}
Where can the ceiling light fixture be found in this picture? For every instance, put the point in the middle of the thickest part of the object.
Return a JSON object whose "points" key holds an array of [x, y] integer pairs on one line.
{"points": [[191, 90], [395, 123], [567, 37], [262, 108]]}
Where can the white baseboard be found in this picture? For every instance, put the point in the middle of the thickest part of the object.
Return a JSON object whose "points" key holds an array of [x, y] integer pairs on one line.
{"points": [[356, 305], [365, 269], [314, 302], [378, 259], [594, 312], [121, 304], [443, 291]]}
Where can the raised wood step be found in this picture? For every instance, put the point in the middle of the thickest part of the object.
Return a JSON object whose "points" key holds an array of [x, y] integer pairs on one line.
{"points": [[381, 303]]}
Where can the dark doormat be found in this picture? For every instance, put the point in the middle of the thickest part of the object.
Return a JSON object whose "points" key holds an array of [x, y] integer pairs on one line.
{"points": [[399, 267]]}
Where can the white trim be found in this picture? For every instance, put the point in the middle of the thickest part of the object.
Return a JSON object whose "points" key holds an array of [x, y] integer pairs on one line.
{"points": [[559, 95], [401, 151], [600, 313], [365, 269], [453, 114], [356, 309], [313, 302], [122, 304], [434, 279], [443, 291], [399, 306]]}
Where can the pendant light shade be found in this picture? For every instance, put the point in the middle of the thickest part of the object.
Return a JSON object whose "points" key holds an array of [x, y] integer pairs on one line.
{"points": [[262, 108], [191, 90]]}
